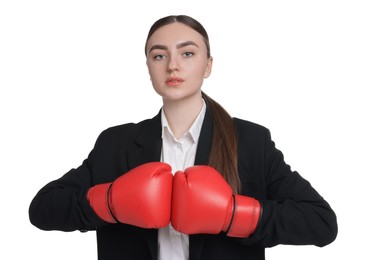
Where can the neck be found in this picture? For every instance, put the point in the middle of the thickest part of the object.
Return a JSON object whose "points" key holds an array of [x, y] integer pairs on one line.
{"points": [[181, 115]]}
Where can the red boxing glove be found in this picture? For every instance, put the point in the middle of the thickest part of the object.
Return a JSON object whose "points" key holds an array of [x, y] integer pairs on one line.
{"points": [[203, 202], [140, 197]]}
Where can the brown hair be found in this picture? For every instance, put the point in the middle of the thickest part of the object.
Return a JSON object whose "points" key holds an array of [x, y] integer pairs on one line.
{"points": [[223, 155]]}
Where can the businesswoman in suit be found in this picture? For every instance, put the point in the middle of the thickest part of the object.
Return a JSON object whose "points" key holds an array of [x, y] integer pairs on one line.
{"points": [[191, 182]]}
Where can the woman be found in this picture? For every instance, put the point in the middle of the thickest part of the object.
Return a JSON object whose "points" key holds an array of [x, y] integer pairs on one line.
{"points": [[139, 188]]}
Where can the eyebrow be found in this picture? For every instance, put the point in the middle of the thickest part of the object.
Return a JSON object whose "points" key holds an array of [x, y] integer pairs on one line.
{"points": [[178, 46]]}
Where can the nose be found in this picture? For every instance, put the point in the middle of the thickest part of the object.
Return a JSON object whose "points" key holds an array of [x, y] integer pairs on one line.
{"points": [[173, 64]]}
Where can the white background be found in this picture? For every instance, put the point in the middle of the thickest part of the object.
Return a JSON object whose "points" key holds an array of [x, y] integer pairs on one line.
{"points": [[70, 69]]}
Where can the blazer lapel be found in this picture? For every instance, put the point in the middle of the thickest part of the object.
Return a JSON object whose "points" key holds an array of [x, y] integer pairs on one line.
{"points": [[147, 144], [205, 140], [196, 242]]}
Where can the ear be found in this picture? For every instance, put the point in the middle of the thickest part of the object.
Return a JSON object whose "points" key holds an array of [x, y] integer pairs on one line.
{"points": [[208, 70]]}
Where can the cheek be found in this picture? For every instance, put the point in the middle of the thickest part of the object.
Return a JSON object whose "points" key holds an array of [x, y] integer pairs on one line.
{"points": [[199, 71], [155, 78], [152, 71]]}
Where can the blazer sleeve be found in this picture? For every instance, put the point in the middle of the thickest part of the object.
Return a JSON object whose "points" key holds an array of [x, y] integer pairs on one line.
{"points": [[293, 212], [62, 203]]}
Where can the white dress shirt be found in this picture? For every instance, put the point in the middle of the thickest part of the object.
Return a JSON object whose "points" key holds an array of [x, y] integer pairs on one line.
{"points": [[180, 154]]}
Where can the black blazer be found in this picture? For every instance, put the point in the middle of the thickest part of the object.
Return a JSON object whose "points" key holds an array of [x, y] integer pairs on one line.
{"points": [[293, 212]]}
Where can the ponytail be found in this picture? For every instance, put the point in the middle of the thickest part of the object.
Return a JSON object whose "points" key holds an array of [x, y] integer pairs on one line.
{"points": [[224, 149]]}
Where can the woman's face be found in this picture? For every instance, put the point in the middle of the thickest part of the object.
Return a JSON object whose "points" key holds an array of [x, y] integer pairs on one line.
{"points": [[177, 62]]}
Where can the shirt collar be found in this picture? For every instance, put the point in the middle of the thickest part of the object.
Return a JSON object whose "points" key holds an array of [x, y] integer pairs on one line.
{"points": [[194, 130]]}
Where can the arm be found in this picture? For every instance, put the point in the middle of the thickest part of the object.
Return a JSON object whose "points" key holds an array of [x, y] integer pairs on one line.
{"points": [[62, 204], [293, 211]]}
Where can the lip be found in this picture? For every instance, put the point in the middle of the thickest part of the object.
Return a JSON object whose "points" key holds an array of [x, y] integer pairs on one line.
{"points": [[174, 81]]}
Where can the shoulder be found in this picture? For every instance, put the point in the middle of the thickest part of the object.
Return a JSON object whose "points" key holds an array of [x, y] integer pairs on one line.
{"points": [[130, 131], [134, 128], [252, 135], [118, 130], [245, 127]]}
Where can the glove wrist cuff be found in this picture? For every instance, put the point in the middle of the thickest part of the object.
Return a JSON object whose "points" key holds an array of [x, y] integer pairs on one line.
{"points": [[245, 216], [98, 199]]}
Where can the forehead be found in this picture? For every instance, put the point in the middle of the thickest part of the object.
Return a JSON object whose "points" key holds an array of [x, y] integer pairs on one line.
{"points": [[175, 33]]}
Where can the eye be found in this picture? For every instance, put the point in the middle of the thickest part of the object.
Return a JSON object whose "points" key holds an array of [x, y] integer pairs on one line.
{"points": [[188, 54], [159, 57]]}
